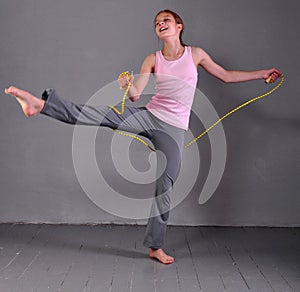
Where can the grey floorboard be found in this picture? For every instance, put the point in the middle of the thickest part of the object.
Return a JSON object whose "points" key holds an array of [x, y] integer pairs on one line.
{"points": [[109, 258]]}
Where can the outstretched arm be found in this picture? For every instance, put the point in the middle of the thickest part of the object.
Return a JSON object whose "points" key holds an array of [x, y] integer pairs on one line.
{"points": [[203, 59], [138, 87]]}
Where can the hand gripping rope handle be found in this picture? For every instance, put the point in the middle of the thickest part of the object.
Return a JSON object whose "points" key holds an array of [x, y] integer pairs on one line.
{"points": [[127, 74], [268, 80]]}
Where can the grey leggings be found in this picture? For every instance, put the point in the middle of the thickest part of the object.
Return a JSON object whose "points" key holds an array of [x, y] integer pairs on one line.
{"points": [[164, 137]]}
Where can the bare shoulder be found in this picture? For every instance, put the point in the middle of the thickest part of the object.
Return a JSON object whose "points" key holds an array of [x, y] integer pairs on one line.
{"points": [[150, 59], [198, 55], [196, 50], [148, 64]]}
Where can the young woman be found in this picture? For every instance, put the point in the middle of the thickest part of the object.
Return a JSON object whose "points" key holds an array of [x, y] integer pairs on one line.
{"points": [[165, 118]]}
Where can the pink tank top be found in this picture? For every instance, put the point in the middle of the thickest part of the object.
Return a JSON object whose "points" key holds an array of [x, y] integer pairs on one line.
{"points": [[175, 89]]}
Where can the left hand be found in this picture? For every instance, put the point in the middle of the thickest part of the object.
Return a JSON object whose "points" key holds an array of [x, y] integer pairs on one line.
{"points": [[273, 74]]}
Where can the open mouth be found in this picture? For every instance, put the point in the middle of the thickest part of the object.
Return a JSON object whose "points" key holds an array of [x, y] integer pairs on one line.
{"points": [[163, 29]]}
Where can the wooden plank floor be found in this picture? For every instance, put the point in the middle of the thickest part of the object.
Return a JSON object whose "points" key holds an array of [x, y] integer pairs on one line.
{"points": [[111, 258]]}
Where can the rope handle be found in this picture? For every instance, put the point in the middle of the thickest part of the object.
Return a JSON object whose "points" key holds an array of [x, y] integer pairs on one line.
{"points": [[128, 75]]}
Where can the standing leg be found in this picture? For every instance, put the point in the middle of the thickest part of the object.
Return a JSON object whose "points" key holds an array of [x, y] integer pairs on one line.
{"points": [[170, 144]]}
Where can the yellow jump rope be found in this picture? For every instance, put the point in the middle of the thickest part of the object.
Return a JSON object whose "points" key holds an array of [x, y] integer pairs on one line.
{"points": [[268, 80]]}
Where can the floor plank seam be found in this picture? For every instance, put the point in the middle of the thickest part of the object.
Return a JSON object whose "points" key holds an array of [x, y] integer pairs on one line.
{"points": [[193, 261]]}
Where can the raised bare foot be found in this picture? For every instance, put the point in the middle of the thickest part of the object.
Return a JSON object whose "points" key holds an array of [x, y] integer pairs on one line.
{"points": [[160, 255], [31, 105]]}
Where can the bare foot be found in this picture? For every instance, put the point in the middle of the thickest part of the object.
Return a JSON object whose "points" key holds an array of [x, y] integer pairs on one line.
{"points": [[160, 255], [31, 105]]}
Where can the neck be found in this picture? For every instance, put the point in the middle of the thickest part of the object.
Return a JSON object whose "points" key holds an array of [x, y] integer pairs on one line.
{"points": [[172, 49]]}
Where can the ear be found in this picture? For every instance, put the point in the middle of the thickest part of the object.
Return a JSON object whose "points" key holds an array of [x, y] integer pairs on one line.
{"points": [[179, 26]]}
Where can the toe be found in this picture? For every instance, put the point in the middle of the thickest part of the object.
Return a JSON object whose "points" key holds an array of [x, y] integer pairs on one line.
{"points": [[10, 90], [169, 260]]}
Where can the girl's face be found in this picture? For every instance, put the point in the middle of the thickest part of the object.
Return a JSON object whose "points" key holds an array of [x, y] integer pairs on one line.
{"points": [[166, 26]]}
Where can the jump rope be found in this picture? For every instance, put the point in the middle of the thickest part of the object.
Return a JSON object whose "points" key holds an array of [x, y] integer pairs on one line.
{"points": [[127, 75]]}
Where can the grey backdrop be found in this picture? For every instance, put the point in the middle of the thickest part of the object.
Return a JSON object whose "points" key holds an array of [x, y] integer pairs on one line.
{"points": [[79, 46]]}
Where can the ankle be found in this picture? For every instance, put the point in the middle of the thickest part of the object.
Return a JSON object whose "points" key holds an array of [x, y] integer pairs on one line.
{"points": [[40, 105]]}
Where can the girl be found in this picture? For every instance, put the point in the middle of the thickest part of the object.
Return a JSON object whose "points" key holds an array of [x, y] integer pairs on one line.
{"points": [[165, 118]]}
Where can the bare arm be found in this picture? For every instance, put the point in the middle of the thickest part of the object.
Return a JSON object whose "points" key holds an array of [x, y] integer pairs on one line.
{"points": [[203, 59], [138, 87]]}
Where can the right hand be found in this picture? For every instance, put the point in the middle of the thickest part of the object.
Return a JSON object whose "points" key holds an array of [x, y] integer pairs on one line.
{"points": [[125, 79]]}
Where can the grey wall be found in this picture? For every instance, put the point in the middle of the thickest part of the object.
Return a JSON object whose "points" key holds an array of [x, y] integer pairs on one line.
{"points": [[80, 46]]}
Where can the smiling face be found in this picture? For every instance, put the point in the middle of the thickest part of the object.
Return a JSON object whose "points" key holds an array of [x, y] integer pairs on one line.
{"points": [[166, 26]]}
